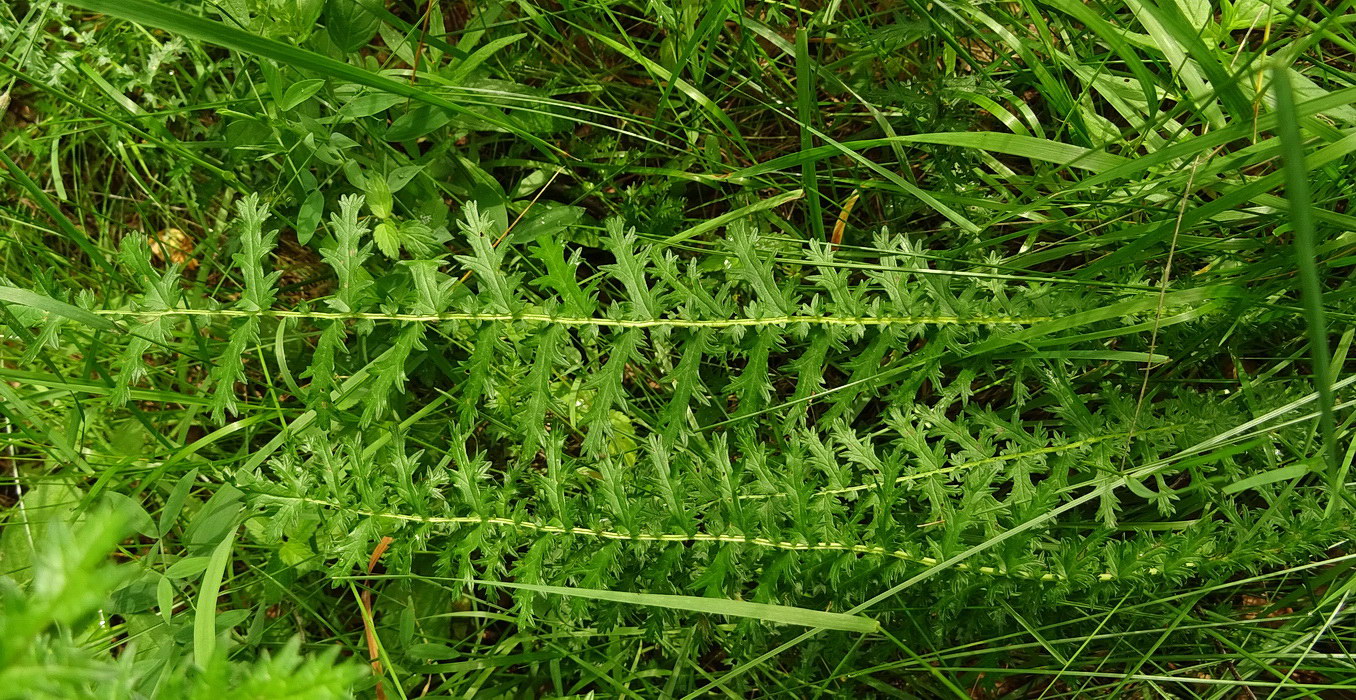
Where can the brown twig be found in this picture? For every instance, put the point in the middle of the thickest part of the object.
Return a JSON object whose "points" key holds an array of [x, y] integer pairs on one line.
{"points": [[369, 622], [841, 224], [419, 48]]}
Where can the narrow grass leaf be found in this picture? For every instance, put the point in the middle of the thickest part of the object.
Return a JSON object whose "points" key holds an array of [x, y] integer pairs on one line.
{"points": [[1268, 477], [735, 215], [205, 617], [1306, 258], [41, 302], [780, 614]]}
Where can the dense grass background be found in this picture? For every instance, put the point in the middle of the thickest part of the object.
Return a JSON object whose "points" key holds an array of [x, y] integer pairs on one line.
{"points": [[672, 349]]}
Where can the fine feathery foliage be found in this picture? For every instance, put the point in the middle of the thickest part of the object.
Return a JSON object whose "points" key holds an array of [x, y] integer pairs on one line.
{"points": [[641, 350]]}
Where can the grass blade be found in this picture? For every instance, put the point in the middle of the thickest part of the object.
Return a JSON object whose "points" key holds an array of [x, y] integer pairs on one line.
{"points": [[805, 109], [1045, 150], [780, 614], [723, 219], [205, 618], [33, 300], [1267, 477], [1306, 258]]}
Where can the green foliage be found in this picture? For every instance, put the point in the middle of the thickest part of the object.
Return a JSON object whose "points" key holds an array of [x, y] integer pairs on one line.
{"points": [[71, 583], [641, 350]]}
